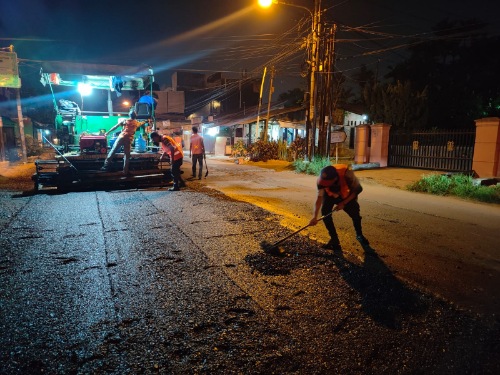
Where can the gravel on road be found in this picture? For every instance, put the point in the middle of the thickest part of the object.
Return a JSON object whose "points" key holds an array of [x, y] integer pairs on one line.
{"points": [[150, 281]]}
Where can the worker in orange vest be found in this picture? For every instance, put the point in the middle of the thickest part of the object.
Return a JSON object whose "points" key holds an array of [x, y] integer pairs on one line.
{"points": [[197, 152], [174, 151], [125, 139], [338, 189]]}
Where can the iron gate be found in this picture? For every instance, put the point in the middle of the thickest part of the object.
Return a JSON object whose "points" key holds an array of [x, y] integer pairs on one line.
{"points": [[450, 150]]}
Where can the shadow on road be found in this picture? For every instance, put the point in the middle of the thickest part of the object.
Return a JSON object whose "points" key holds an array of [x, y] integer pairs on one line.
{"points": [[385, 298]]}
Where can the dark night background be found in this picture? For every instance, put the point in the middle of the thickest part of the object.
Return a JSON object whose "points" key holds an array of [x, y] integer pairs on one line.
{"points": [[235, 36], [208, 35]]}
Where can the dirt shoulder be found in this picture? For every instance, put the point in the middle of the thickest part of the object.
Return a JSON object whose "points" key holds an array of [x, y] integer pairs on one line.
{"points": [[391, 177], [17, 175]]}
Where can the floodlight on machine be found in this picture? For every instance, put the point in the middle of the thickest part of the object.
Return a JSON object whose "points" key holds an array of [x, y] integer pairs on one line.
{"points": [[84, 89]]}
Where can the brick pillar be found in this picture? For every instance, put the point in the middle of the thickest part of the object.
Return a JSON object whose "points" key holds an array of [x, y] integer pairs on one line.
{"points": [[486, 159], [379, 150], [362, 146]]}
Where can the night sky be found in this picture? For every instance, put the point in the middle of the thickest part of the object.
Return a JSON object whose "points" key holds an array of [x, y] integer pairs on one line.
{"points": [[206, 35]]}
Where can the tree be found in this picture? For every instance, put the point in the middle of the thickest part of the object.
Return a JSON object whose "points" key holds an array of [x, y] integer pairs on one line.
{"points": [[292, 98], [363, 78], [397, 104], [458, 70]]}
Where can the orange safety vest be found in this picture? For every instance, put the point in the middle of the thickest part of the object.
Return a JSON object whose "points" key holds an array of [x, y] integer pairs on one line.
{"points": [[129, 128], [178, 154], [344, 188], [178, 140]]}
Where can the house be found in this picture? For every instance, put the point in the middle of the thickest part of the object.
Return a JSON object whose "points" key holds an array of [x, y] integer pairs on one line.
{"points": [[353, 115]]}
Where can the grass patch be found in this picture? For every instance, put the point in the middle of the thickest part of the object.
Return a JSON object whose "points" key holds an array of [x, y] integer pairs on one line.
{"points": [[457, 185], [311, 167]]}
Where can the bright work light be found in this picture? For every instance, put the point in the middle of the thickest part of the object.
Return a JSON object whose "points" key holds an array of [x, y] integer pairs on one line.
{"points": [[84, 89]]}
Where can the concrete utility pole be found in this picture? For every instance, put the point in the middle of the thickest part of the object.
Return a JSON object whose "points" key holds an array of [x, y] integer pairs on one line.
{"points": [[21, 126], [20, 118], [271, 90], [328, 102], [10, 79], [313, 61], [2, 145], [260, 104]]}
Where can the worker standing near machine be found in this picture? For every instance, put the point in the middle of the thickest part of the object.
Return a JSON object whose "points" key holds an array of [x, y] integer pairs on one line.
{"points": [[149, 99], [174, 151], [125, 139], [197, 152]]}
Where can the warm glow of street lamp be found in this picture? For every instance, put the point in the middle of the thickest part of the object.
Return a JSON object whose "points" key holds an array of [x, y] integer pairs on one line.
{"points": [[265, 3], [268, 3]]}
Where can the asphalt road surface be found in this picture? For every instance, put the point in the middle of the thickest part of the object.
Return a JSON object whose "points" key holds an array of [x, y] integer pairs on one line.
{"points": [[151, 281], [446, 245]]}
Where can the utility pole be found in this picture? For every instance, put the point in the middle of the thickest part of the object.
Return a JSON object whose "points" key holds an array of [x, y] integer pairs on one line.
{"points": [[271, 90], [311, 116], [2, 145], [329, 104], [20, 116], [10, 71], [260, 104], [21, 126]]}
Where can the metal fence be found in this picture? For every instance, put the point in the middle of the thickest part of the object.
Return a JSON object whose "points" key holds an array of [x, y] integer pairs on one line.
{"points": [[450, 150]]}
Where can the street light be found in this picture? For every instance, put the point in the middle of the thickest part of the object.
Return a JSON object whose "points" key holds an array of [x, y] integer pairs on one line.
{"points": [[265, 3], [313, 61], [268, 3]]}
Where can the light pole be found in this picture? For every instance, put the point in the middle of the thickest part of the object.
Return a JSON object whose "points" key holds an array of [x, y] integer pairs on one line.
{"points": [[315, 15]]}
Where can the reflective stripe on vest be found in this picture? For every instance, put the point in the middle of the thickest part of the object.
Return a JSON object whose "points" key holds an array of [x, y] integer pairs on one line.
{"points": [[178, 154]]}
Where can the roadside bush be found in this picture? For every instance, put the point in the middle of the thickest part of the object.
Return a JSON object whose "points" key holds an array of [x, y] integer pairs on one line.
{"points": [[458, 185], [263, 151], [297, 148], [283, 151], [463, 186], [239, 149], [488, 194], [433, 183], [311, 167]]}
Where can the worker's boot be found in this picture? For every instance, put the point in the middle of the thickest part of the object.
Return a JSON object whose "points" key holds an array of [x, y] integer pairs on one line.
{"points": [[333, 244], [106, 168], [362, 239]]}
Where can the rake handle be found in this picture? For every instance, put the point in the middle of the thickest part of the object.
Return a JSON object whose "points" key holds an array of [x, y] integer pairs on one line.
{"points": [[299, 230]]}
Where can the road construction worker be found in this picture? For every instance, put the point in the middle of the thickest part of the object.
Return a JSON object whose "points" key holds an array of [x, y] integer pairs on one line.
{"points": [[174, 151], [338, 189], [125, 139], [149, 99], [197, 152]]}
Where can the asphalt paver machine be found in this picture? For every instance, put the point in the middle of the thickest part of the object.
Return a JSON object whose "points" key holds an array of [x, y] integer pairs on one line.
{"points": [[80, 144]]}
